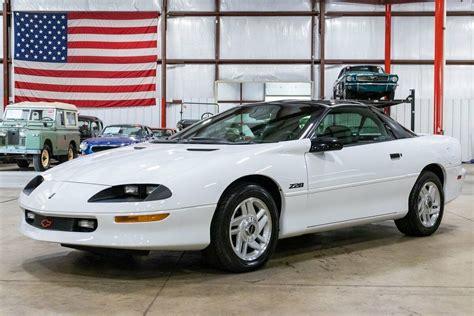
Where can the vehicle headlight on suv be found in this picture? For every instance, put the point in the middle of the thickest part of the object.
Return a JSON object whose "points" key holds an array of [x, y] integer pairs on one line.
{"points": [[394, 79], [83, 146]]}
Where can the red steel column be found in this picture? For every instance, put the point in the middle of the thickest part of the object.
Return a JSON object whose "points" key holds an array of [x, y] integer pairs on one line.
{"points": [[388, 43], [440, 15], [164, 13]]}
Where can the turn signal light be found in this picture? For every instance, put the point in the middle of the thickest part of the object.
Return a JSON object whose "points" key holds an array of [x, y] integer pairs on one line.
{"points": [[141, 218]]}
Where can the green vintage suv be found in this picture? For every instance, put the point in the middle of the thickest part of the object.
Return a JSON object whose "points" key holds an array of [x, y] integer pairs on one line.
{"points": [[39, 132]]}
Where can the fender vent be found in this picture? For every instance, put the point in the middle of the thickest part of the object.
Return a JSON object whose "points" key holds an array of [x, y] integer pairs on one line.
{"points": [[202, 149]]}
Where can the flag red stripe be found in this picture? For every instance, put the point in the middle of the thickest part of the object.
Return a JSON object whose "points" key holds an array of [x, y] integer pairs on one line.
{"points": [[93, 103], [112, 30], [85, 73], [112, 45], [83, 88], [111, 59], [112, 15]]}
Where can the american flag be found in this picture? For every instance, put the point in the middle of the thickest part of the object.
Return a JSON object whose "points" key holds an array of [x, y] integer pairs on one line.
{"points": [[89, 59]]}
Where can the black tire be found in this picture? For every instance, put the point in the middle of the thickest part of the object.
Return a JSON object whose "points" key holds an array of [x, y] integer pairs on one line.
{"points": [[38, 162], [411, 224], [23, 163], [72, 154], [220, 252]]}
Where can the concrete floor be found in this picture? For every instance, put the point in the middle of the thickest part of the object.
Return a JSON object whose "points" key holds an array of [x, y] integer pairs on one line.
{"points": [[369, 269]]}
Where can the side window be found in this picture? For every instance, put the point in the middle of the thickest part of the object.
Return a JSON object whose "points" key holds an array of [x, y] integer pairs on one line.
{"points": [[60, 118], [71, 119], [353, 126]]}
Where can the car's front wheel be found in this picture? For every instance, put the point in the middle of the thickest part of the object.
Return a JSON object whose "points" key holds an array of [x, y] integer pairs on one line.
{"points": [[42, 161], [426, 207], [244, 230]]}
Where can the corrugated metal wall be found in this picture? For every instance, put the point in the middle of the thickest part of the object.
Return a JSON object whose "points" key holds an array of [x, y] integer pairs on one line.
{"points": [[289, 37]]}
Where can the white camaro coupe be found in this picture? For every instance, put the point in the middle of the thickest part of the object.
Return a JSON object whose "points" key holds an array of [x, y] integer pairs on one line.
{"points": [[235, 183]]}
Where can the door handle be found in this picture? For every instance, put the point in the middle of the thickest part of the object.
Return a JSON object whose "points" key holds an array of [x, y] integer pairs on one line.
{"points": [[394, 156]]}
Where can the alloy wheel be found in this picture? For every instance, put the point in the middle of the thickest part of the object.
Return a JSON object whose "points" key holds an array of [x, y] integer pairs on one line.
{"points": [[429, 202], [250, 229]]}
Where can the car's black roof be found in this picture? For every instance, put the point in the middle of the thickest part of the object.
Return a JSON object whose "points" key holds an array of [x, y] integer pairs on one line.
{"points": [[88, 117], [320, 103]]}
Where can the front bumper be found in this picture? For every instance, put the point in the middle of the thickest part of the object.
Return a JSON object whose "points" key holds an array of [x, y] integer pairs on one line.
{"points": [[371, 87], [9, 150], [183, 229]]}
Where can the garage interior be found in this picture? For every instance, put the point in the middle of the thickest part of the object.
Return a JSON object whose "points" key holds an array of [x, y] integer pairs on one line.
{"points": [[218, 54]]}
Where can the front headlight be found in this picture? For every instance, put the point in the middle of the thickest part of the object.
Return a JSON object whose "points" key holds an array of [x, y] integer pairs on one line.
{"points": [[394, 79], [349, 79], [3, 133], [83, 146], [132, 193], [22, 133]]}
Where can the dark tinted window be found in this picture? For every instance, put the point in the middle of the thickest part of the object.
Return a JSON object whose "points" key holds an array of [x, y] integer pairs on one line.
{"points": [[259, 123], [353, 126]]}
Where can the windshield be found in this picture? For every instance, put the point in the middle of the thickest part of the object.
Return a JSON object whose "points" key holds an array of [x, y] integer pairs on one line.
{"points": [[29, 114], [366, 68], [258, 123], [126, 131]]}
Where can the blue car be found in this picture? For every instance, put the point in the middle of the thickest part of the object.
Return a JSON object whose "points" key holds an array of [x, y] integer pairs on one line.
{"points": [[114, 136]]}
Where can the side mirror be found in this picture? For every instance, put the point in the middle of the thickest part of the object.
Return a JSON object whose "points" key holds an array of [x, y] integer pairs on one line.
{"points": [[321, 144]]}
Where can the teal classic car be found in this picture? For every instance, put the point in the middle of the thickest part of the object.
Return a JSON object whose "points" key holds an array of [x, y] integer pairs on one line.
{"points": [[365, 82], [39, 132]]}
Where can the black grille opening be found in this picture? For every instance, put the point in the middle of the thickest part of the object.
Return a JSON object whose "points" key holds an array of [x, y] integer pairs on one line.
{"points": [[13, 137], [56, 223]]}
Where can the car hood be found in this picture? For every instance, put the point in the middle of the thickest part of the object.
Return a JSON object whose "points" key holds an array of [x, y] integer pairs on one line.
{"points": [[111, 141], [365, 73], [144, 163]]}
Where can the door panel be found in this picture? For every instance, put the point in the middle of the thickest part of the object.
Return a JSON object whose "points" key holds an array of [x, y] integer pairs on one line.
{"points": [[356, 182], [367, 178]]}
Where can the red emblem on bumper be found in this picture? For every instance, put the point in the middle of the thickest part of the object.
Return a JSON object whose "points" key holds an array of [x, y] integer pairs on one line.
{"points": [[46, 223]]}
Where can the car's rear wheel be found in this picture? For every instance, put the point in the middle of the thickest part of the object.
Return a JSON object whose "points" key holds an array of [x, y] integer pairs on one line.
{"points": [[244, 230], [42, 161], [23, 163], [426, 207], [71, 153]]}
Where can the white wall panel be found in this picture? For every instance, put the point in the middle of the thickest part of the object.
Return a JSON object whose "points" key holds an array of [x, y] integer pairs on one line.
{"points": [[459, 37], [190, 83], [412, 38], [338, 5], [191, 37], [265, 5], [265, 72], [355, 37], [418, 77], [191, 5], [266, 37], [429, 6]]}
